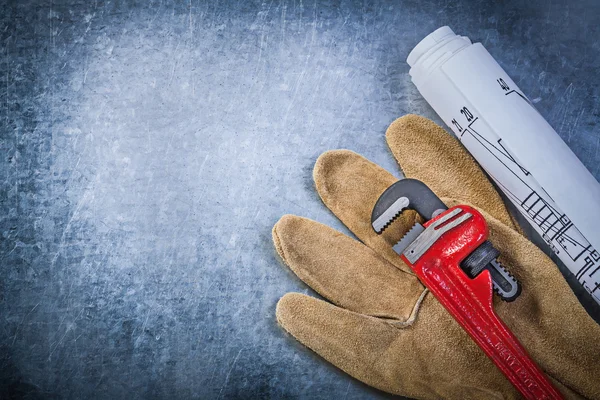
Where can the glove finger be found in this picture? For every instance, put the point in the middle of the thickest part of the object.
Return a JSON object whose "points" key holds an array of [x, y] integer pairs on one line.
{"points": [[432, 359], [349, 185], [346, 272], [425, 151], [352, 342]]}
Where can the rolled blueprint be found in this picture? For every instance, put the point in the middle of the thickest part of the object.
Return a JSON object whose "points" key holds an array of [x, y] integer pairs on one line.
{"points": [[515, 145]]}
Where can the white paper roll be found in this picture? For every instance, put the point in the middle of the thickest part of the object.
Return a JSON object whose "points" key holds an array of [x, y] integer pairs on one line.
{"points": [[515, 145]]}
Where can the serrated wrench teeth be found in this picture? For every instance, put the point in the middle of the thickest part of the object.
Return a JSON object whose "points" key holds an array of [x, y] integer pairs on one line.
{"points": [[411, 194], [408, 238], [391, 213], [433, 232]]}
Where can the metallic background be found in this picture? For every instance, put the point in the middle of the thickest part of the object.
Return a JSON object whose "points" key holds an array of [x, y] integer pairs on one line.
{"points": [[148, 147]]}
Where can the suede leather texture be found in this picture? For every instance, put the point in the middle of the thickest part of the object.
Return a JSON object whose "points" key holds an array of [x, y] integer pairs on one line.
{"points": [[380, 325]]}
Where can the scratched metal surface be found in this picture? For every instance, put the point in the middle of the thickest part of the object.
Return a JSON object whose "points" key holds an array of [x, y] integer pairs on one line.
{"points": [[148, 148]]}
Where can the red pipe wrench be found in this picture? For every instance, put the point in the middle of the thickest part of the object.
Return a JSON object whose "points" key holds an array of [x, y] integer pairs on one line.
{"points": [[452, 257]]}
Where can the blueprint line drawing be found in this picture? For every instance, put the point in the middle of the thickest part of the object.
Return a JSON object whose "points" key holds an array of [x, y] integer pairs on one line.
{"points": [[533, 201], [515, 145]]}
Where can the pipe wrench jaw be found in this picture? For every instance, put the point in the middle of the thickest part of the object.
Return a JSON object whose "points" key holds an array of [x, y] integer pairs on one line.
{"points": [[414, 195], [405, 194], [437, 251]]}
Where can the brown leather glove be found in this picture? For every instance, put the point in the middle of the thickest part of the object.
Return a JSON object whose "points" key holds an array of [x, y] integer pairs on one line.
{"points": [[380, 325]]}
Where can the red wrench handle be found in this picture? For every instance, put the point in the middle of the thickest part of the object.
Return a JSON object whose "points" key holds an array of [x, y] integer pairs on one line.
{"points": [[469, 301]]}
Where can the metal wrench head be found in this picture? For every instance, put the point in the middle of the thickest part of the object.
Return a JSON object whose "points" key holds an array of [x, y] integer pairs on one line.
{"points": [[433, 232], [405, 194], [415, 195]]}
